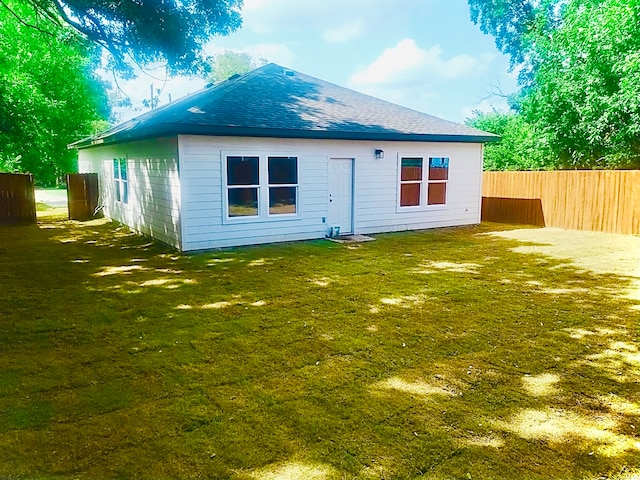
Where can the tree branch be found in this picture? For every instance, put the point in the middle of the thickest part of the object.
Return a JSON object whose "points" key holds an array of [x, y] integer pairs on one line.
{"points": [[101, 38], [39, 9], [28, 25]]}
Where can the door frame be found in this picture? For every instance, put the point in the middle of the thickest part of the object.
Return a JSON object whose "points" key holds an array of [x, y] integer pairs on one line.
{"points": [[352, 187]]}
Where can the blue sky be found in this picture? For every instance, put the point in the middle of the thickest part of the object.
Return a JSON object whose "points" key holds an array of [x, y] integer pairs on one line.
{"points": [[422, 54]]}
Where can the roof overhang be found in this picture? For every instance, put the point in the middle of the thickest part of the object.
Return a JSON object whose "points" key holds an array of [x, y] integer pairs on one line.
{"points": [[171, 130]]}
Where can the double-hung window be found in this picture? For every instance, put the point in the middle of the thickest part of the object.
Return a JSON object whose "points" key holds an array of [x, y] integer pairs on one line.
{"points": [[283, 185], [438, 179], [243, 186], [261, 187], [120, 181], [411, 182], [423, 181]]}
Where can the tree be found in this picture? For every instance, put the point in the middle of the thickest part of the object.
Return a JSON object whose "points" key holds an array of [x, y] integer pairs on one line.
{"points": [[230, 63], [516, 25], [580, 73], [585, 93], [144, 32], [49, 95], [521, 146]]}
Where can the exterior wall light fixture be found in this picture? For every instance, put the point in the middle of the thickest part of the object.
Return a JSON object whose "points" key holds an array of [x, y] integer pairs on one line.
{"points": [[379, 154]]}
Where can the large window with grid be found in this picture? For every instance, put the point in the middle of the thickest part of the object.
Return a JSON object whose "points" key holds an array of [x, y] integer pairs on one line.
{"points": [[261, 187], [423, 181]]}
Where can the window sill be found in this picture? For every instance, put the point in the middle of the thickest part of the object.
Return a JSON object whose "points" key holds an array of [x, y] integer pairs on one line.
{"points": [[268, 219], [422, 208]]}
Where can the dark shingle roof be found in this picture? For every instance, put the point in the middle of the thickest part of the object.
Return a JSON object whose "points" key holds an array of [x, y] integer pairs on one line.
{"points": [[273, 101]]}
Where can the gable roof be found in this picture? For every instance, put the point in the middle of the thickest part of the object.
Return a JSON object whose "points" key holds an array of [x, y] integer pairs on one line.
{"points": [[273, 101]]}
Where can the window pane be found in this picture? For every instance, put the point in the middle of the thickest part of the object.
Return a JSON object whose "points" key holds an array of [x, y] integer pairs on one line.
{"points": [[242, 171], [439, 168], [283, 170], [123, 168], [116, 187], [411, 169], [243, 202], [282, 200], [125, 192], [116, 168], [437, 193], [410, 194]]}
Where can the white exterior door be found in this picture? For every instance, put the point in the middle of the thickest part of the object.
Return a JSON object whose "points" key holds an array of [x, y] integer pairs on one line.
{"points": [[341, 194]]}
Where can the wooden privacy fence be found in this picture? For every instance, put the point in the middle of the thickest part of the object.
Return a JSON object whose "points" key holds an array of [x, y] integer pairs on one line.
{"points": [[17, 198], [82, 195], [598, 200]]}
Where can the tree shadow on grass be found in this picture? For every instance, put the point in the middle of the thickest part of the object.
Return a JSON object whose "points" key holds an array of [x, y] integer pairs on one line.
{"points": [[440, 353]]}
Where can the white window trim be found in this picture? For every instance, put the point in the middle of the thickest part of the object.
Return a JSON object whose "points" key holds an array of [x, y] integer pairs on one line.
{"points": [[283, 185], [263, 188], [446, 182], [119, 184], [424, 191], [422, 183], [226, 188]]}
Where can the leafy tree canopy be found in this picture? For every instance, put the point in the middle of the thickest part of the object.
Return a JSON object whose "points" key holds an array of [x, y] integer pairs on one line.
{"points": [[521, 146], [49, 95], [580, 73], [231, 63], [586, 87], [144, 31]]}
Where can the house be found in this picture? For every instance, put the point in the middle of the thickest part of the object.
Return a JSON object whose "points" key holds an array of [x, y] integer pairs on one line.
{"points": [[275, 155]]}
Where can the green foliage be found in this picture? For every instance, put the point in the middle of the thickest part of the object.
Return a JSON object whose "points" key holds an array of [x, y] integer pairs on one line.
{"points": [[521, 146], [580, 72], [507, 21], [586, 89], [49, 96], [140, 33], [231, 63]]}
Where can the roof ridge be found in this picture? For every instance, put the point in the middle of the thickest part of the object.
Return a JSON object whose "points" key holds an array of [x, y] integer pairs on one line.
{"points": [[273, 100]]}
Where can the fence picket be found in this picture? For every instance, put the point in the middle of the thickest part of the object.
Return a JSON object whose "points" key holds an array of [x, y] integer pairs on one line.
{"points": [[17, 198], [598, 200]]}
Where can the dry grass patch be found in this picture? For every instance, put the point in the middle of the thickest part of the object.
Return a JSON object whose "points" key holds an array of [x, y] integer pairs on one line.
{"points": [[444, 354]]}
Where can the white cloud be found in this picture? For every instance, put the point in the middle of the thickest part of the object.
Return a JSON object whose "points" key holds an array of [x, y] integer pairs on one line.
{"points": [[406, 62], [344, 33], [418, 77]]}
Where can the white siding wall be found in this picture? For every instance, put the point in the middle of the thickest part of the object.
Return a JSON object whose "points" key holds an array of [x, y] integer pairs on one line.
{"points": [[154, 186], [375, 181]]}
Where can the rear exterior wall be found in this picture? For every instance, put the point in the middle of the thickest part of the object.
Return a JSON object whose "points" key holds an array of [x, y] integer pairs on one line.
{"points": [[376, 189]]}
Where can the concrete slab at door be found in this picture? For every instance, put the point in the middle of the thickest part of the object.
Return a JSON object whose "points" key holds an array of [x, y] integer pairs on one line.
{"points": [[341, 194]]}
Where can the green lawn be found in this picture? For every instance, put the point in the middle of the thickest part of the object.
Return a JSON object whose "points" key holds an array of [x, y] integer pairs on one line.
{"points": [[441, 354]]}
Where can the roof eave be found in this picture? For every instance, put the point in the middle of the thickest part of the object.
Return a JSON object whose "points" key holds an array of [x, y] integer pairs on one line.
{"points": [[230, 131]]}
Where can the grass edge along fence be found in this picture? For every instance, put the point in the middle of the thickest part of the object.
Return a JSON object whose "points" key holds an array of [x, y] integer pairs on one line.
{"points": [[17, 198], [596, 200]]}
